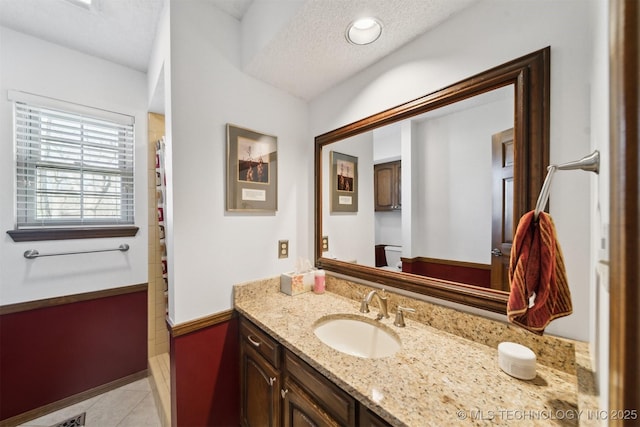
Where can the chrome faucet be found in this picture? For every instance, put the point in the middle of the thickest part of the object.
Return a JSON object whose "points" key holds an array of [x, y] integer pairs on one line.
{"points": [[382, 304]]}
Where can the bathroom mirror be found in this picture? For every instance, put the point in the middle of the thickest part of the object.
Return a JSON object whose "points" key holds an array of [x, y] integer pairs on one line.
{"points": [[466, 160]]}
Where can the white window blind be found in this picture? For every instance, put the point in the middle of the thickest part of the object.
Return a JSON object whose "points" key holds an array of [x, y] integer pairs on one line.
{"points": [[72, 169]]}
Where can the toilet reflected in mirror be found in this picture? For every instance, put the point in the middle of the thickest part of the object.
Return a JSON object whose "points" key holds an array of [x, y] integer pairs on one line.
{"points": [[392, 258]]}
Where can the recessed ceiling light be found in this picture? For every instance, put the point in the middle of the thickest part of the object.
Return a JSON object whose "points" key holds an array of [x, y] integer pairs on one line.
{"points": [[364, 31]]}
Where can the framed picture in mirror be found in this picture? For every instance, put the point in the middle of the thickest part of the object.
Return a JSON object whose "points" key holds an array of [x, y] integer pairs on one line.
{"points": [[252, 170], [344, 182]]}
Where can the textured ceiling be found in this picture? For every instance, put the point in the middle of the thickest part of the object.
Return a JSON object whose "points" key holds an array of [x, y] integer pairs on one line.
{"points": [[311, 54], [121, 31], [306, 55]]}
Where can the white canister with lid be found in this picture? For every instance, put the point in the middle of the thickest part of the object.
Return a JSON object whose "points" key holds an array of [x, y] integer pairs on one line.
{"points": [[517, 360]]}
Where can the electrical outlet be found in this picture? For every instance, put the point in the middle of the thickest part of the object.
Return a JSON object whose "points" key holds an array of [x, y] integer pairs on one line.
{"points": [[283, 248], [325, 243]]}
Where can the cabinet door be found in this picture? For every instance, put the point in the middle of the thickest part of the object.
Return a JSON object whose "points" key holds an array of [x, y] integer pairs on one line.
{"points": [[300, 410], [387, 186], [383, 176], [260, 385], [398, 184]]}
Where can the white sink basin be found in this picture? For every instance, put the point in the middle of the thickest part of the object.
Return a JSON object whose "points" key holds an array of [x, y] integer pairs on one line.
{"points": [[357, 336]]}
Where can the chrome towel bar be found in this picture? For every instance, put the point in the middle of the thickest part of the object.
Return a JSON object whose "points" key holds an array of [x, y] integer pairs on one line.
{"points": [[590, 163], [32, 253]]}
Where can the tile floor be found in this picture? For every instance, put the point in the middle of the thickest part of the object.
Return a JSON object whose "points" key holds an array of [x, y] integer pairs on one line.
{"points": [[131, 405], [161, 384]]}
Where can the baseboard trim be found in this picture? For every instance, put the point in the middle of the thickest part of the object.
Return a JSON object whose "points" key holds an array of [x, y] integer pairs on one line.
{"points": [[71, 400]]}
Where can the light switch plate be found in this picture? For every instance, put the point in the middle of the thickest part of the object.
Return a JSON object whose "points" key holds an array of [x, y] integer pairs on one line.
{"points": [[283, 248], [325, 243]]}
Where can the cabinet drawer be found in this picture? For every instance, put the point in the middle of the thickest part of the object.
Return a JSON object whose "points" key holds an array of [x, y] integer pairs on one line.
{"points": [[253, 336], [330, 397]]}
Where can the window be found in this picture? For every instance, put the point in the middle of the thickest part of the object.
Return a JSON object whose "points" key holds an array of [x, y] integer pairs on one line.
{"points": [[74, 165]]}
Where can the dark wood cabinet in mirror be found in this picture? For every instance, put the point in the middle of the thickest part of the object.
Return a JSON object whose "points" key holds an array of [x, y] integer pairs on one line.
{"points": [[528, 137]]}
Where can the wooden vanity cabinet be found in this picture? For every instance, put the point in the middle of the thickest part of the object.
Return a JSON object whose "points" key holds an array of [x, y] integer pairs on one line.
{"points": [[280, 389], [387, 189]]}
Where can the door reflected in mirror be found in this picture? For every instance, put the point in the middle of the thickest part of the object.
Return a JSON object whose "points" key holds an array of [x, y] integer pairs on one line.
{"points": [[441, 183]]}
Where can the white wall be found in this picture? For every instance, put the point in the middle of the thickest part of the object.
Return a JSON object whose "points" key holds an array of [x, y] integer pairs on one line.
{"points": [[210, 249], [387, 143], [351, 234], [32, 65], [388, 228], [387, 147], [599, 286], [481, 37], [455, 180], [158, 77]]}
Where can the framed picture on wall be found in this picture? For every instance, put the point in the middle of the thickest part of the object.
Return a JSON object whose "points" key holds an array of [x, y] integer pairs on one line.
{"points": [[344, 183], [252, 171]]}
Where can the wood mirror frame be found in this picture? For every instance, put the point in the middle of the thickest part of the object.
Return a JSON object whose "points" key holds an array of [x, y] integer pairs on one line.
{"points": [[530, 77]]}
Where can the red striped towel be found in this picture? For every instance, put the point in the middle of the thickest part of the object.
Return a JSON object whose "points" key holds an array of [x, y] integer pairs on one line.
{"points": [[538, 281]]}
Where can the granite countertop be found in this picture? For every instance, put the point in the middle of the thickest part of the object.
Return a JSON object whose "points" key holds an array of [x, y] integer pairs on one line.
{"points": [[436, 378]]}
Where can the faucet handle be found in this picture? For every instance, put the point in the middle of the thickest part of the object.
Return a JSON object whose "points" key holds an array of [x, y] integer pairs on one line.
{"points": [[399, 322], [364, 307]]}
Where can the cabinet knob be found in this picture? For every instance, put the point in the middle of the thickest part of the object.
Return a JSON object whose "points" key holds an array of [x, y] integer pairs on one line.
{"points": [[284, 392], [272, 381]]}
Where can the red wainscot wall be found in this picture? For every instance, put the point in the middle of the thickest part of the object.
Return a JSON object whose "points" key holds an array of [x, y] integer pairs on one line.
{"points": [[60, 351], [454, 271], [205, 372]]}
